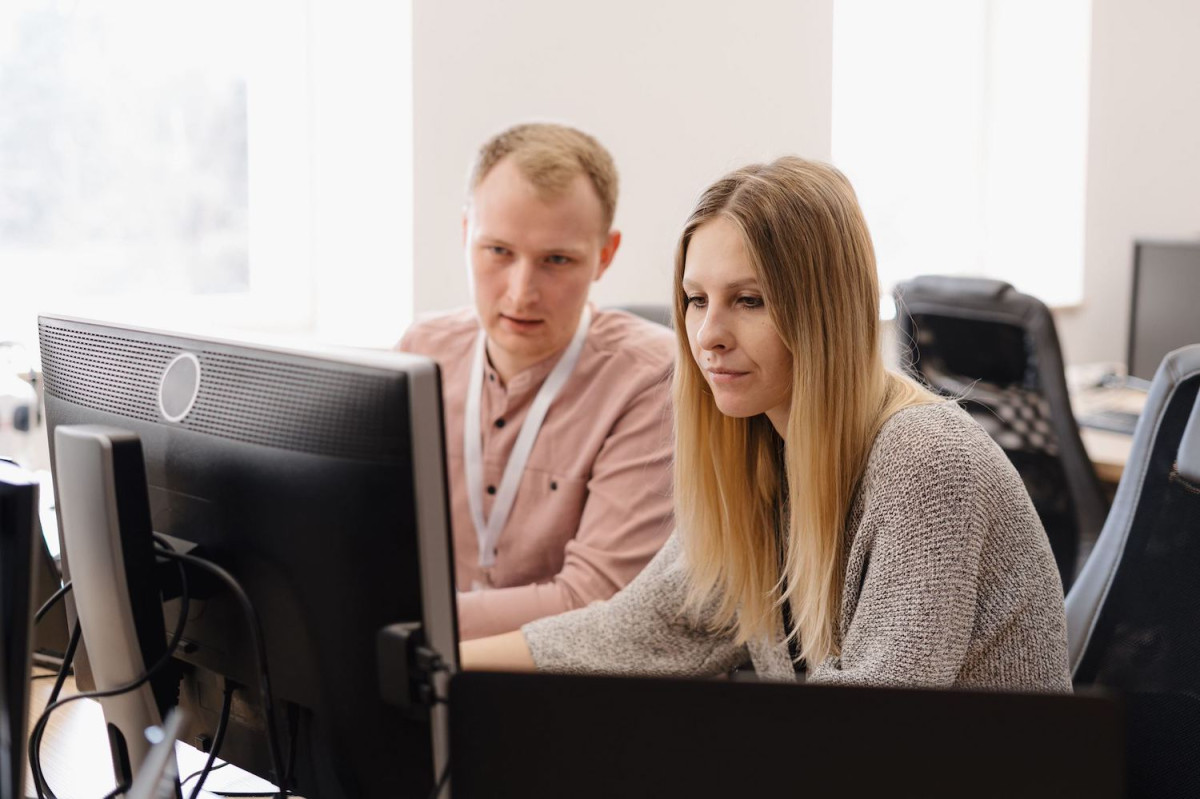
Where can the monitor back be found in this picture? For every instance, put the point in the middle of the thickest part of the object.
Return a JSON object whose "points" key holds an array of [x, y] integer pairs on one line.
{"points": [[1163, 318], [309, 478], [539, 736]]}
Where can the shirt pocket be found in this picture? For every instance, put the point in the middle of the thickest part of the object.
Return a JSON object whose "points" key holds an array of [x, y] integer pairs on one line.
{"points": [[545, 518]]}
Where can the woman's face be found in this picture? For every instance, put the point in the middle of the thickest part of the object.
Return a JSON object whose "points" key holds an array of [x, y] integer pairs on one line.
{"points": [[729, 329]]}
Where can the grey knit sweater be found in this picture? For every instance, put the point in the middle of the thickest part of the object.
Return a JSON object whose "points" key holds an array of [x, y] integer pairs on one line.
{"points": [[949, 582]]}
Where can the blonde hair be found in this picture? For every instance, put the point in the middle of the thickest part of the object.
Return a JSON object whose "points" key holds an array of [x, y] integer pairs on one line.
{"points": [[550, 157], [736, 482]]}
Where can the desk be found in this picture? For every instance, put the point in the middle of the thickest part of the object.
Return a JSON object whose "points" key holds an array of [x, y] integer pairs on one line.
{"points": [[1108, 451], [75, 754]]}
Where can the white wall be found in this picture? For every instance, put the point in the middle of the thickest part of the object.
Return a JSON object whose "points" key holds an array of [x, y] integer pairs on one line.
{"points": [[680, 92], [1143, 158]]}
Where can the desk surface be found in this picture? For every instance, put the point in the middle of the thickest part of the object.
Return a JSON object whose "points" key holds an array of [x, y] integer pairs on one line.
{"points": [[1108, 451], [75, 754]]}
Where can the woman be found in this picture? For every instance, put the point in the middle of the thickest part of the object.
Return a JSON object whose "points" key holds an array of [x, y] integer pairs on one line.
{"points": [[831, 516]]}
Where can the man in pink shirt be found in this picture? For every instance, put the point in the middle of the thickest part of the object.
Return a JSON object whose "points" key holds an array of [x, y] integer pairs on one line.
{"points": [[558, 427]]}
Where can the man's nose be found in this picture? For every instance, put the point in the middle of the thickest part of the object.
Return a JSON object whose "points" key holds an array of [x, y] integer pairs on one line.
{"points": [[523, 283]]}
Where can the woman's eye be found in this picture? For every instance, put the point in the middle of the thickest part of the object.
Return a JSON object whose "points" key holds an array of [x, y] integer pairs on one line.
{"points": [[750, 301], [694, 299]]}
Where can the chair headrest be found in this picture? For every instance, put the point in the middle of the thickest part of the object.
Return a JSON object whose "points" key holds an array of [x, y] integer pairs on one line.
{"points": [[960, 287], [1188, 459]]}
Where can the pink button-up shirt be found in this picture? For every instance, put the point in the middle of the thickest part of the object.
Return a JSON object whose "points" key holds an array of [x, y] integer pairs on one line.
{"points": [[594, 503]]}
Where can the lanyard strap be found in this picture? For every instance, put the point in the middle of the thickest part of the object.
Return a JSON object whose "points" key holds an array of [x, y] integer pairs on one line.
{"points": [[487, 532]]}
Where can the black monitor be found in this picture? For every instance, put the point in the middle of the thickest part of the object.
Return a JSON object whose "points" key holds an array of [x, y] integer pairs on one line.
{"points": [[18, 532], [1162, 317], [317, 479], [647, 737]]}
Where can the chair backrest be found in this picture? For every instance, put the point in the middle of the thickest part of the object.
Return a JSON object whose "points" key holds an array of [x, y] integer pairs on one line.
{"points": [[1133, 616], [996, 351]]}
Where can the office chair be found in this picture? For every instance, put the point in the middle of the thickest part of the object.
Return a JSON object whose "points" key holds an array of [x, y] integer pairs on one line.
{"points": [[996, 351], [660, 314], [1133, 616]]}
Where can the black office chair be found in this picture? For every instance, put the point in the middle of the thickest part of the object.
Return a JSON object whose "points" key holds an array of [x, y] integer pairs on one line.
{"points": [[996, 351], [1133, 616]]}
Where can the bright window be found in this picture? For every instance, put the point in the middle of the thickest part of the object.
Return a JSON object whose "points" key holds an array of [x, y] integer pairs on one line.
{"points": [[963, 126], [218, 165]]}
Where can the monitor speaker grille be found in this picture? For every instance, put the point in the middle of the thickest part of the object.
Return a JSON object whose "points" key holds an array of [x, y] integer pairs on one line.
{"points": [[288, 403]]}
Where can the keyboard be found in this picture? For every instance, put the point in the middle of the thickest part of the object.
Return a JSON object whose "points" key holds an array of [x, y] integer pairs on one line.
{"points": [[1112, 421]]}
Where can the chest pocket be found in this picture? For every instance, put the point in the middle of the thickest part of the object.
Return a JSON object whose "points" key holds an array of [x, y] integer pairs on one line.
{"points": [[545, 518]]}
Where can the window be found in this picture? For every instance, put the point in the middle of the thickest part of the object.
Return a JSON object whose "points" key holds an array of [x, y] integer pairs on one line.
{"points": [[963, 126], [239, 165]]}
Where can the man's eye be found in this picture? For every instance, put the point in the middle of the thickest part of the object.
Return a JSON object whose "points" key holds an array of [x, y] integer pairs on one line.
{"points": [[497, 250], [559, 260]]}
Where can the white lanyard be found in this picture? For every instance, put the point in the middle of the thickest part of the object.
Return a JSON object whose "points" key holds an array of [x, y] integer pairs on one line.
{"points": [[488, 532]]}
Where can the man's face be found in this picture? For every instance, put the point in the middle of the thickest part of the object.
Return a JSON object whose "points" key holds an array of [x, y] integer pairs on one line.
{"points": [[532, 260]]}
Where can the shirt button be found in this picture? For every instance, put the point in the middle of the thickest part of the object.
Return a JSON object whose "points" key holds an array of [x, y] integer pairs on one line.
{"points": [[491, 489], [499, 423]]}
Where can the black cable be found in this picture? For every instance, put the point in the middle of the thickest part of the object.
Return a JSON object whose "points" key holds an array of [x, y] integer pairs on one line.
{"points": [[196, 774], [441, 783], [49, 603], [68, 659], [35, 739], [218, 738], [260, 655]]}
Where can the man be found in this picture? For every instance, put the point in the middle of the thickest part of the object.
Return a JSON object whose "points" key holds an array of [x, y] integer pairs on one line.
{"points": [[558, 429]]}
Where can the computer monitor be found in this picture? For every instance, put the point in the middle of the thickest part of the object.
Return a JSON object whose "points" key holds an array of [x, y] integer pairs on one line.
{"points": [[655, 737], [18, 531], [1162, 317], [317, 479]]}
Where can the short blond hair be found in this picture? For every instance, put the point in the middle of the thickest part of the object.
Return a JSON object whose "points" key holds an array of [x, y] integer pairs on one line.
{"points": [[550, 157]]}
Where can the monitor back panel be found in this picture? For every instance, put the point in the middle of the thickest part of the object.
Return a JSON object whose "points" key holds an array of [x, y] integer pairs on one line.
{"points": [[536, 736], [1163, 316]]}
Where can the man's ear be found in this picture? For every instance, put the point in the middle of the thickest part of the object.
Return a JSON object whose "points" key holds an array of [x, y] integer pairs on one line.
{"points": [[608, 251]]}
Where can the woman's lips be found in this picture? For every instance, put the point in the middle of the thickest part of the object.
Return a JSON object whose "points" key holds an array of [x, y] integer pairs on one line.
{"points": [[724, 377]]}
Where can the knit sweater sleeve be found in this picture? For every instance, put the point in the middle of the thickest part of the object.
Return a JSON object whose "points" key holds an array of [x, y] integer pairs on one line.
{"points": [[643, 629], [921, 532]]}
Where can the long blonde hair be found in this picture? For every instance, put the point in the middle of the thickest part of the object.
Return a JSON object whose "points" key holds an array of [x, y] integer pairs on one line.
{"points": [[736, 482]]}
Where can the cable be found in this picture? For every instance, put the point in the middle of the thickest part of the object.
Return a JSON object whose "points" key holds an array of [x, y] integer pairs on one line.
{"points": [[39, 730], [49, 603], [196, 774], [260, 655], [218, 738], [441, 783], [65, 668]]}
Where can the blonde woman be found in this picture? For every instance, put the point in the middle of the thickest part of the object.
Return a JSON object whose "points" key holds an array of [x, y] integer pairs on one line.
{"points": [[832, 517]]}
